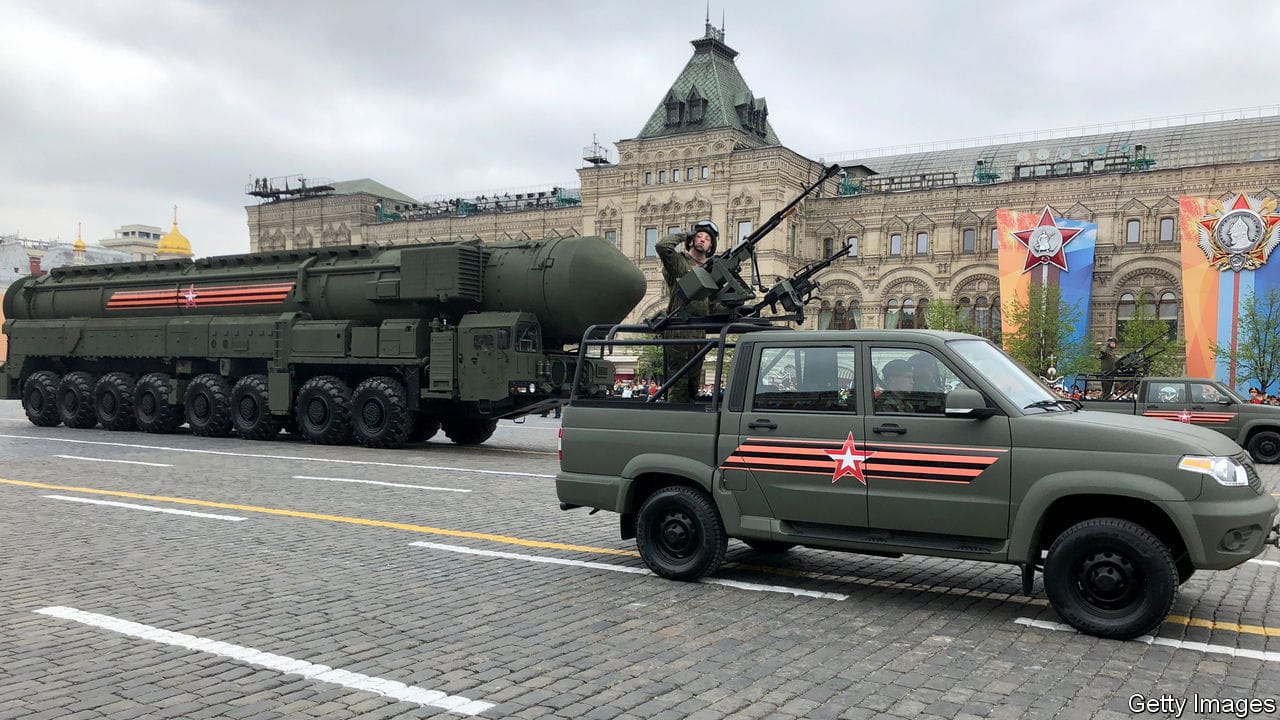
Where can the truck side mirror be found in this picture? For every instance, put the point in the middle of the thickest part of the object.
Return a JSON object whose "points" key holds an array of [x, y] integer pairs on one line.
{"points": [[1224, 401], [969, 403]]}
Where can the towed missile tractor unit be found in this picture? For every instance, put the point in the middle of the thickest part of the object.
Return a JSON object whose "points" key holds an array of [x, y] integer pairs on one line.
{"points": [[380, 345]]}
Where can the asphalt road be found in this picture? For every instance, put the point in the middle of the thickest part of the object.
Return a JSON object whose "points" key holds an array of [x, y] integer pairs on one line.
{"points": [[439, 580]]}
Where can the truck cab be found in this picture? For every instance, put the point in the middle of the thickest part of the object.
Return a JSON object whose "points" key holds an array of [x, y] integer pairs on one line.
{"points": [[894, 442]]}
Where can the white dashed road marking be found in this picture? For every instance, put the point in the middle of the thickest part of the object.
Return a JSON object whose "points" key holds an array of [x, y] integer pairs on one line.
{"points": [[1167, 642], [280, 663], [126, 462], [258, 456], [379, 482], [630, 570], [148, 508], [1268, 563]]}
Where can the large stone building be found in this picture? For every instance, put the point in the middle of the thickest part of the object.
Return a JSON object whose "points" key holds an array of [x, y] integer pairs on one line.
{"points": [[922, 223]]}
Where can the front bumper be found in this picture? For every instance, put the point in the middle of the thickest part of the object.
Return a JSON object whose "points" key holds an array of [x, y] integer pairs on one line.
{"points": [[1228, 533]]}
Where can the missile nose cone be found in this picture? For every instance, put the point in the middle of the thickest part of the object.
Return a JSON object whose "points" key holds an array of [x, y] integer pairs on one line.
{"points": [[604, 284]]}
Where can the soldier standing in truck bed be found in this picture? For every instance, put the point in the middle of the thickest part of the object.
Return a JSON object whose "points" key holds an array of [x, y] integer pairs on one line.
{"points": [[679, 254]]}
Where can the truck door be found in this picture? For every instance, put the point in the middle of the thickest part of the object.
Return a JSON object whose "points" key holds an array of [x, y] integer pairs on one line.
{"points": [[928, 473], [800, 434], [1166, 400], [1213, 408]]}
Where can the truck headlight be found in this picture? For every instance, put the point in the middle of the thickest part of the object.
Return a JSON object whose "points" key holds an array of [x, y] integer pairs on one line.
{"points": [[1223, 469]]}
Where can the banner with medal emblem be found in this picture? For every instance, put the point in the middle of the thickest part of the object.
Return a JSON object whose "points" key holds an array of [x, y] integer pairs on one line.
{"points": [[1225, 247], [1047, 249]]}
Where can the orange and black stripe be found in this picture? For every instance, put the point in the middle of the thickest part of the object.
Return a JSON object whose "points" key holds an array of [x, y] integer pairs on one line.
{"points": [[886, 461], [1199, 418], [208, 296]]}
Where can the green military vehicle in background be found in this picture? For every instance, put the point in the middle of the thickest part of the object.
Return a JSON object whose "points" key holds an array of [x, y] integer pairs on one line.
{"points": [[1197, 401], [893, 442], [383, 345]]}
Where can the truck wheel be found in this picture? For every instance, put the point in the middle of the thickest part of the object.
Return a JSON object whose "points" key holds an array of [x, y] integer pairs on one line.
{"points": [[769, 547], [1264, 447], [679, 533], [151, 405], [380, 416], [40, 398], [208, 405], [75, 400], [250, 414], [469, 432], [1111, 578], [324, 410], [425, 427], [113, 401]]}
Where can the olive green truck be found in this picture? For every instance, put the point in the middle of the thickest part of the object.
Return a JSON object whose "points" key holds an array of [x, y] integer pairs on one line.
{"points": [[377, 345], [894, 442]]}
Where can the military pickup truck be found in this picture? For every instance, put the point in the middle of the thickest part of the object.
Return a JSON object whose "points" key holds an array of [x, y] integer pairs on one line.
{"points": [[1197, 401], [893, 442]]}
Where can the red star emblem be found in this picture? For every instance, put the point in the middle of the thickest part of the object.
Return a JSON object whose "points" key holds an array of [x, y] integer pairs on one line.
{"points": [[1057, 258], [190, 295], [848, 461], [1184, 416]]}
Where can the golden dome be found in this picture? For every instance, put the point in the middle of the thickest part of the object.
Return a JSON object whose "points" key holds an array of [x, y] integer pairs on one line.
{"points": [[174, 242], [78, 245]]}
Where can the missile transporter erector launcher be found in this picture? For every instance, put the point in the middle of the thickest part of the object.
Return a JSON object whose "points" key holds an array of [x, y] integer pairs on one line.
{"points": [[380, 345]]}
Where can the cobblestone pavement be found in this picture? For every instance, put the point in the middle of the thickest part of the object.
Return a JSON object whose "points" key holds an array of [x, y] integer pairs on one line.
{"points": [[318, 603]]}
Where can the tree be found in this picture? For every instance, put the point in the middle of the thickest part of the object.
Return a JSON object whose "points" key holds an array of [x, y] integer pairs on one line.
{"points": [[1044, 326], [649, 362], [946, 316], [1257, 354], [1165, 351]]}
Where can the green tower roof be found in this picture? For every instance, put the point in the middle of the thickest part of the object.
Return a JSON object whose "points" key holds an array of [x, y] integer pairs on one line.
{"points": [[710, 94]]}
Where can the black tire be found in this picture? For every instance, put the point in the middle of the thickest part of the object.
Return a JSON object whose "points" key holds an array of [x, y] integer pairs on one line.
{"points": [[324, 410], [380, 416], [467, 431], [40, 398], [251, 416], [680, 534], [1264, 447], [424, 428], [151, 406], [208, 405], [113, 401], [769, 547], [1111, 578], [75, 400]]}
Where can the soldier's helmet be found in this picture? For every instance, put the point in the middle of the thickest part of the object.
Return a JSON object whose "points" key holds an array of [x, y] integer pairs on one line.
{"points": [[709, 228]]}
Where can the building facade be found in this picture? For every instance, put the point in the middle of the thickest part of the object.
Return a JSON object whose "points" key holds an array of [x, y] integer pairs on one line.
{"points": [[922, 224]]}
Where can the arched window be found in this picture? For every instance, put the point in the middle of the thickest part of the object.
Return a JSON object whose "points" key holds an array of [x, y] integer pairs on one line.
{"points": [[828, 246], [852, 242], [908, 314], [995, 238], [1133, 232], [1166, 230], [996, 328], [982, 316], [1148, 306], [967, 241], [922, 320], [922, 243], [838, 316], [895, 244], [1169, 313], [1124, 311], [966, 310], [824, 316], [891, 314]]}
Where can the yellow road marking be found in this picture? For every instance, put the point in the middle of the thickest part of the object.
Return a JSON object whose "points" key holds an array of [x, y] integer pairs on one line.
{"points": [[331, 518], [507, 539], [1230, 627]]}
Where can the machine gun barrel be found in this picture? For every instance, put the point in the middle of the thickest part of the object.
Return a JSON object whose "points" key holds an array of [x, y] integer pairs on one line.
{"points": [[1138, 361], [796, 291], [718, 279]]}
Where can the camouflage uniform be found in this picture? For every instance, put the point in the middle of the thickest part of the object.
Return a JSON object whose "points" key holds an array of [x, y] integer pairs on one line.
{"points": [[674, 266]]}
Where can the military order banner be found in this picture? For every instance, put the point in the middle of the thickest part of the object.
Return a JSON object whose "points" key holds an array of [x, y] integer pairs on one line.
{"points": [[1225, 247], [1046, 249]]}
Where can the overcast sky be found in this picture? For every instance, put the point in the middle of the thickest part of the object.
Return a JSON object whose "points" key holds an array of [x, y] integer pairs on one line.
{"points": [[112, 112]]}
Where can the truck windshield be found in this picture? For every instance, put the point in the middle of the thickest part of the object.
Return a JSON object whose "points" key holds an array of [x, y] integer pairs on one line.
{"points": [[1001, 370]]}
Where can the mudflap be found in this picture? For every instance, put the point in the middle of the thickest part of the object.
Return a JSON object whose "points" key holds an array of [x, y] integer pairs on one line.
{"points": [[1028, 577], [627, 525], [9, 389]]}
